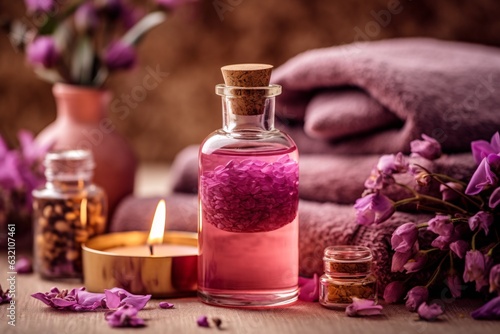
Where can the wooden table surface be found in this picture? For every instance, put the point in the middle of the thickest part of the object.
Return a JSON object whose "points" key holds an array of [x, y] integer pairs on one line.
{"points": [[32, 316]]}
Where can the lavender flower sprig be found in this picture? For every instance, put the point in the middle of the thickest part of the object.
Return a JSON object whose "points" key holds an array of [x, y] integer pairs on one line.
{"points": [[465, 230]]}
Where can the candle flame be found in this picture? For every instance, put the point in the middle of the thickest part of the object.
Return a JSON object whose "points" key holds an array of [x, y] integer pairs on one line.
{"points": [[158, 226], [83, 212]]}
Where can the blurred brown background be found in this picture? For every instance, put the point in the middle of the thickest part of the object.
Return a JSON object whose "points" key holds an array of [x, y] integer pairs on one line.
{"points": [[197, 40]]}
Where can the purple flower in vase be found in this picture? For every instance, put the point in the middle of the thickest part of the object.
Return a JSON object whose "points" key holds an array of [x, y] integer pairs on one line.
{"points": [[494, 198], [363, 307], [10, 178], [39, 5], [43, 51], [373, 209], [86, 18], [484, 177], [476, 268], [404, 237], [416, 297], [483, 220], [124, 316], [459, 247], [428, 148], [449, 192], [416, 264], [429, 312], [489, 311], [481, 148], [119, 56], [394, 292], [495, 278], [309, 289], [455, 285]]}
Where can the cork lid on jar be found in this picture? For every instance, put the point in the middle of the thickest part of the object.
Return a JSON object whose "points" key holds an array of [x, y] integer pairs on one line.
{"points": [[250, 100]]}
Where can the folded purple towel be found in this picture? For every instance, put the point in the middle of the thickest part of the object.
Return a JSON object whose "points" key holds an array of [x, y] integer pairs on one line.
{"points": [[376, 97], [321, 225]]}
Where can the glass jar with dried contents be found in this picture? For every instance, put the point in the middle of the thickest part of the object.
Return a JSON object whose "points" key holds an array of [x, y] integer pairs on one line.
{"points": [[347, 275], [68, 210]]}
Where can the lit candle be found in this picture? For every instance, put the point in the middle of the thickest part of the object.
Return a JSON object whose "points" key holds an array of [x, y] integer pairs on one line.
{"points": [[126, 260], [155, 245]]}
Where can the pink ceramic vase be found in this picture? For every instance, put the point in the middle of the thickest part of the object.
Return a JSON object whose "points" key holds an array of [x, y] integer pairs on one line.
{"points": [[82, 123]]}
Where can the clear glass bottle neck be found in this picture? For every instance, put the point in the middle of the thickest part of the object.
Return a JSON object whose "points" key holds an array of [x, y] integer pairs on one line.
{"points": [[69, 170], [234, 122]]}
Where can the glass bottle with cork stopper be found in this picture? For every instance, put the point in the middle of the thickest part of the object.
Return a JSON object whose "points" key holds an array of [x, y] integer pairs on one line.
{"points": [[67, 211], [248, 198], [347, 275]]}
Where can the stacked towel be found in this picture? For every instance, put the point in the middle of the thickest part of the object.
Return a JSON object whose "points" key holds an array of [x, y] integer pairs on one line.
{"points": [[376, 97], [364, 99]]}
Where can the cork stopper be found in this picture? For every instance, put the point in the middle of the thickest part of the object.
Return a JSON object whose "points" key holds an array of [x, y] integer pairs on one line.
{"points": [[248, 102]]}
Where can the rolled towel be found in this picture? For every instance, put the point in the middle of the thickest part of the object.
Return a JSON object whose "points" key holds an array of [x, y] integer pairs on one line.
{"points": [[333, 178], [447, 90], [320, 225]]}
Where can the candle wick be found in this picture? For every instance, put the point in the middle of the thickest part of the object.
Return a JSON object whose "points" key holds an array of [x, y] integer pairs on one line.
{"points": [[151, 249]]}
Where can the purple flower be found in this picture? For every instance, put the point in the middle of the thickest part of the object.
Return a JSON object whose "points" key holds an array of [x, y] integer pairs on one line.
{"points": [[494, 198], [449, 192], [117, 297], [484, 177], [481, 148], [166, 305], [441, 225], [378, 180], [124, 316], [309, 289], [74, 300], [86, 19], [39, 5], [415, 264], [202, 321], [455, 285], [394, 292], [23, 265], [428, 148], [363, 307], [476, 268], [43, 51], [373, 209], [390, 164], [119, 56], [416, 297], [429, 312], [399, 260], [459, 247], [489, 311], [483, 220], [4, 296], [404, 237], [495, 278]]}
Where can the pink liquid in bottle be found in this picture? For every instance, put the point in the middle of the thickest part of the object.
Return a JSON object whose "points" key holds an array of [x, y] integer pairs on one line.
{"points": [[249, 227]]}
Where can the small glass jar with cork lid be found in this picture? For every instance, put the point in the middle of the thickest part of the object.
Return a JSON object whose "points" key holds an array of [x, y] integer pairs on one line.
{"points": [[347, 275], [67, 211]]}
